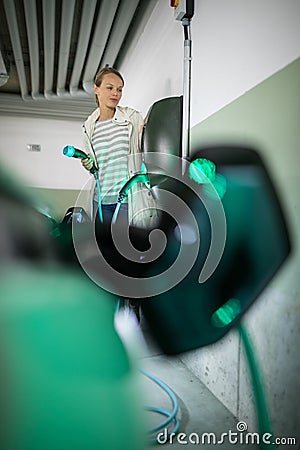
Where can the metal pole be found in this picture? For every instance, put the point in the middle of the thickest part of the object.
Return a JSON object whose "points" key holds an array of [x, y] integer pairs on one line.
{"points": [[187, 62]]}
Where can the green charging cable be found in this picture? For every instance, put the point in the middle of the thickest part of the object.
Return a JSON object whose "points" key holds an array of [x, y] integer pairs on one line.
{"points": [[264, 426]]}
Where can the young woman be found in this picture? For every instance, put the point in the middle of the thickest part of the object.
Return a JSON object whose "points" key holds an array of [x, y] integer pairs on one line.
{"points": [[112, 140], [112, 135]]}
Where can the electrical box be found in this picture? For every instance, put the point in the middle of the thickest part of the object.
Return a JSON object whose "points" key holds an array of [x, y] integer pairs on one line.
{"points": [[183, 9], [34, 147]]}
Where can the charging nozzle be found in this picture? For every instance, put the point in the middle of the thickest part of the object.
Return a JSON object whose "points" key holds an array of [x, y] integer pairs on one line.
{"points": [[69, 150], [72, 152]]}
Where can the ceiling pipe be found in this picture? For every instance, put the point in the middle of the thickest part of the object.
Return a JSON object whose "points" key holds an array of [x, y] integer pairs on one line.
{"points": [[120, 28], [49, 51], [66, 26], [33, 44], [13, 27], [49, 47], [4, 76], [62, 109], [104, 23], [82, 45]]}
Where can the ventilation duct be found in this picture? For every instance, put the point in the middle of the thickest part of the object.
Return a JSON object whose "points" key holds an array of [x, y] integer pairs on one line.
{"points": [[3, 72]]}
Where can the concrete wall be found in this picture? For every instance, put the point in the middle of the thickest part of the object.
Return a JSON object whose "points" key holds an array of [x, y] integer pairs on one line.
{"points": [[266, 118], [56, 178], [49, 167]]}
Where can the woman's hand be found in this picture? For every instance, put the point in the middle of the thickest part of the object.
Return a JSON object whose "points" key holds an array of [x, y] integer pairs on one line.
{"points": [[88, 163]]}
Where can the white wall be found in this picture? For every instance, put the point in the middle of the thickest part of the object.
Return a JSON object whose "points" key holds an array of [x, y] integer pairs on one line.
{"points": [[235, 45], [48, 168]]}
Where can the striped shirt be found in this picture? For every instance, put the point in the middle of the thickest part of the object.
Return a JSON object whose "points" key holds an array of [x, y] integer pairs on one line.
{"points": [[111, 144]]}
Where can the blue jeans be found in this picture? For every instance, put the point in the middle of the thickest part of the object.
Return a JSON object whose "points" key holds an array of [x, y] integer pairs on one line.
{"points": [[106, 245], [108, 212]]}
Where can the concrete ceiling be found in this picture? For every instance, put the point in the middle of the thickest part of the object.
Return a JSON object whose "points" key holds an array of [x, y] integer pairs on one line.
{"points": [[52, 49]]}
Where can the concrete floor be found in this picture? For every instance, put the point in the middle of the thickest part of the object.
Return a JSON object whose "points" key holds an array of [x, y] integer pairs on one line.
{"points": [[199, 410]]}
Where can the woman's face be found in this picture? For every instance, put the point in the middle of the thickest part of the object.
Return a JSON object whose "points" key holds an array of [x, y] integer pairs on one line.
{"points": [[109, 92]]}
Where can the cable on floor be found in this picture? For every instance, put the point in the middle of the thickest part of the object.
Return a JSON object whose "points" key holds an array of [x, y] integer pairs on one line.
{"points": [[171, 415]]}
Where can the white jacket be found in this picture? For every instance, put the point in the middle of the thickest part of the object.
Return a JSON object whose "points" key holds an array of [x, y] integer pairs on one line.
{"points": [[140, 198]]}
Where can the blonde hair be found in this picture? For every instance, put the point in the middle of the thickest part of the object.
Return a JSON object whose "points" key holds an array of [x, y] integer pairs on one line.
{"points": [[99, 77]]}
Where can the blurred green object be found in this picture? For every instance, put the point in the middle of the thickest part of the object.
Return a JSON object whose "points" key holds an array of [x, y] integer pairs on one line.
{"points": [[66, 381], [203, 171], [226, 313], [197, 312]]}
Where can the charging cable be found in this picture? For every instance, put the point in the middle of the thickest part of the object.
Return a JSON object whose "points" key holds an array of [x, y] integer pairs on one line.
{"points": [[140, 177], [171, 415], [99, 196]]}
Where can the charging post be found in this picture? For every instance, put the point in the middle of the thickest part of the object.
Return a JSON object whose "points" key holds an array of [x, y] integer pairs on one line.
{"points": [[184, 11]]}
